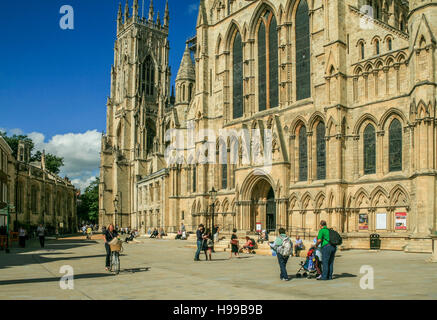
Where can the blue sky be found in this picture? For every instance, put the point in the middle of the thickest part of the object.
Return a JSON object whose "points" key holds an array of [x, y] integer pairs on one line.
{"points": [[54, 82]]}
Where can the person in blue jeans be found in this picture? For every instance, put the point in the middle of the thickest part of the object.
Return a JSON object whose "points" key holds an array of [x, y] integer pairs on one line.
{"points": [[282, 260], [199, 235], [328, 252]]}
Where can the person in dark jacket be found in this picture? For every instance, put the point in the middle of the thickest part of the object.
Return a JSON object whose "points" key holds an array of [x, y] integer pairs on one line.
{"points": [[199, 235], [110, 234]]}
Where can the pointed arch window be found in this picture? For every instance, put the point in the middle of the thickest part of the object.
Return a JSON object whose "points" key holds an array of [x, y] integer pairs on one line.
{"points": [[362, 50], [369, 150], [303, 154], [148, 76], [321, 151], [268, 81], [194, 177], [237, 55], [303, 63], [395, 146]]}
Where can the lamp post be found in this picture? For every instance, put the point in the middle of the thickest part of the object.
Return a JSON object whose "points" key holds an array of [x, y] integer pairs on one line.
{"points": [[115, 208], [213, 195]]}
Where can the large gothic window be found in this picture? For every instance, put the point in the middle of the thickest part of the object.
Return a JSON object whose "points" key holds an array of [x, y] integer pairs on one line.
{"points": [[303, 67], [303, 156], [237, 55], [395, 146], [268, 92], [148, 76], [321, 152], [369, 150], [224, 176], [151, 134]]}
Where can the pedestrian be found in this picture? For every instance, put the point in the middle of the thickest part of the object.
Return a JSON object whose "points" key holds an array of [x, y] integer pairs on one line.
{"points": [[22, 237], [199, 235], [89, 232], [183, 228], [215, 232], [41, 234], [298, 246], [328, 252], [207, 244], [110, 234], [234, 244], [283, 248]]}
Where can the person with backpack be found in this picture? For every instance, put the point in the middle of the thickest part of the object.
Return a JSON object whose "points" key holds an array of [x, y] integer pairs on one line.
{"points": [[329, 240], [284, 249]]}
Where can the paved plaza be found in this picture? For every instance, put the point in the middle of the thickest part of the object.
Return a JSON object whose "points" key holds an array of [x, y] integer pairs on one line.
{"points": [[164, 269]]}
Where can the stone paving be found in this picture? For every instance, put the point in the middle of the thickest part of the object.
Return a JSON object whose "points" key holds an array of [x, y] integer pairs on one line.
{"points": [[164, 269]]}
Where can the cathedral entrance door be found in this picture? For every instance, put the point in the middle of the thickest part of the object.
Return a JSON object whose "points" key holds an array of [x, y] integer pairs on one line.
{"points": [[271, 212]]}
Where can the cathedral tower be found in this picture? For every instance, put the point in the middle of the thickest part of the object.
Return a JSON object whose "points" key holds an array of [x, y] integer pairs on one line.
{"points": [[140, 91]]}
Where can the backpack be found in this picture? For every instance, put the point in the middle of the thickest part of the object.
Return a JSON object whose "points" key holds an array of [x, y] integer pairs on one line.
{"points": [[335, 238], [253, 242], [286, 248]]}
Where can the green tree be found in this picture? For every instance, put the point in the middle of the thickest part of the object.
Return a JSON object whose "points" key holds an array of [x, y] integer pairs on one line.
{"points": [[88, 209], [13, 142], [53, 163]]}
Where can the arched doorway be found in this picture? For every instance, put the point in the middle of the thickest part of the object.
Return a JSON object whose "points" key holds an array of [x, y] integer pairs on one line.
{"points": [[263, 206]]}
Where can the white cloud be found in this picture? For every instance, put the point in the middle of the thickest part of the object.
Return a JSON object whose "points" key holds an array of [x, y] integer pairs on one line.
{"points": [[15, 131], [81, 153], [192, 8]]}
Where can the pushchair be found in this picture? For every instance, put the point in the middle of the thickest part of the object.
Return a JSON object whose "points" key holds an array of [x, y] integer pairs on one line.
{"points": [[312, 267]]}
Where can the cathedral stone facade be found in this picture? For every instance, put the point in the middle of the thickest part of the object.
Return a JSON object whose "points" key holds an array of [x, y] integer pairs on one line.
{"points": [[340, 96]]}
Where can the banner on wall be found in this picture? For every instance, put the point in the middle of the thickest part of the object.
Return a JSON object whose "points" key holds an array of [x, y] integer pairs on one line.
{"points": [[258, 227], [363, 223], [401, 221]]}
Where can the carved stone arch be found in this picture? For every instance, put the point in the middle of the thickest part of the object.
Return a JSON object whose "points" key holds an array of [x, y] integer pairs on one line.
{"points": [[389, 60], [389, 115], [378, 193], [291, 8], [422, 110], [379, 64], [319, 200], [316, 117], [400, 57], [194, 207], [331, 199], [368, 67], [375, 38], [218, 44], [358, 70], [306, 201], [225, 205], [396, 194], [262, 7], [367, 117], [331, 126], [199, 206], [331, 65], [387, 37], [297, 123], [281, 16], [293, 200], [233, 29], [361, 197]]}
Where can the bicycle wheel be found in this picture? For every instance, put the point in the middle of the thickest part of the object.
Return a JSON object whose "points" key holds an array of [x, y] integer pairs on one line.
{"points": [[115, 265]]}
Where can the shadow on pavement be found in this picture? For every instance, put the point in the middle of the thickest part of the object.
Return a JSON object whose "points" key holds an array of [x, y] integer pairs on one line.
{"points": [[344, 275], [76, 277], [135, 270]]}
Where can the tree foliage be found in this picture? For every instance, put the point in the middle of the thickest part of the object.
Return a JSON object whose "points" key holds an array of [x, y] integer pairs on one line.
{"points": [[88, 208], [53, 163]]}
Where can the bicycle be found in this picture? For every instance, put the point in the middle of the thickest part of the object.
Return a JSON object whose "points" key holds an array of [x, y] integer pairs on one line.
{"points": [[115, 257]]}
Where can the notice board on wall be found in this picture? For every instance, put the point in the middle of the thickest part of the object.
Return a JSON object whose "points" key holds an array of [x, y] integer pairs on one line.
{"points": [[381, 221], [401, 221]]}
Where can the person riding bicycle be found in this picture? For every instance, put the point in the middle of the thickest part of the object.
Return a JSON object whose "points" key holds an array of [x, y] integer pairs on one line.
{"points": [[110, 234]]}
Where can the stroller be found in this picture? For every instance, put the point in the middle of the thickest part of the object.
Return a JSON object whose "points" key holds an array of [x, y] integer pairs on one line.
{"points": [[312, 267]]}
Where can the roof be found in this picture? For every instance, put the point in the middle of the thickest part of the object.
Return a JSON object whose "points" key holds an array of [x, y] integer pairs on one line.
{"points": [[186, 70]]}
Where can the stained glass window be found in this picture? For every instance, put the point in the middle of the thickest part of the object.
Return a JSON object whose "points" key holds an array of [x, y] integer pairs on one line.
{"points": [[369, 150], [148, 76], [321, 152], [224, 176], [303, 66], [395, 146], [194, 177], [273, 63], [303, 156], [262, 65], [237, 77]]}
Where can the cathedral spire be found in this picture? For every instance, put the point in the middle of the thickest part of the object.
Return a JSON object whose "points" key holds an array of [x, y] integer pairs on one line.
{"points": [[166, 15], [126, 12], [158, 20], [135, 10], [119, 16], [186, 70], [151, 13]]}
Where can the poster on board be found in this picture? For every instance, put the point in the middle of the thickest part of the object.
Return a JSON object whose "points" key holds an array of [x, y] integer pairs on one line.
{"points": [[258, 227], [363, 222], [401, 221], [381, 221]]}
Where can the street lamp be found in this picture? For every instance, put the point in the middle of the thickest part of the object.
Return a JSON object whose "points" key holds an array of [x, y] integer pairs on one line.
{"points": [[115, 207], [213, 194]]}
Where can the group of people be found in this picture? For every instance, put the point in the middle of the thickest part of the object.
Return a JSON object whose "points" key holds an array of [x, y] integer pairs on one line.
{"points": [[156, 234], [40, 232], [205, 242], [182, 233], [283, 248]]}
